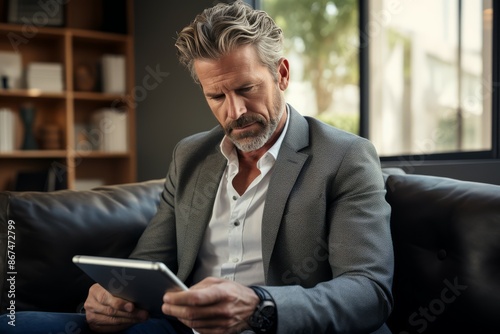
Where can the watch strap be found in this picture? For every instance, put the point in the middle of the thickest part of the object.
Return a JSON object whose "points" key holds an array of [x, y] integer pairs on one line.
{"points": [[262, 293]]}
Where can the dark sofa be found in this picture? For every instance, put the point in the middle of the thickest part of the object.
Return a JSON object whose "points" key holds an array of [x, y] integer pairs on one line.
{"points": [[446, 240], [50, 228]]}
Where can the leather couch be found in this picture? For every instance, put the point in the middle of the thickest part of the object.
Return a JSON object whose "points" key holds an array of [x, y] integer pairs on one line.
{"points": [[446, 239], [446, 236], [49, 228]]}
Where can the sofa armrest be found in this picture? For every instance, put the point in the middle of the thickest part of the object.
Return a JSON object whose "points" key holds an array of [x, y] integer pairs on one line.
{"points": [[50, 228]]}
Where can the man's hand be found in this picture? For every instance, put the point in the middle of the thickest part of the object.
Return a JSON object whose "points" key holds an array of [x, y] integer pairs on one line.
{"points": [[212, 306], [106, 313]]}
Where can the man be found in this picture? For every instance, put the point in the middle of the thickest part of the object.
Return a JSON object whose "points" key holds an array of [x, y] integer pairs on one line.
{"points": [[267, 198], [277, 222]]}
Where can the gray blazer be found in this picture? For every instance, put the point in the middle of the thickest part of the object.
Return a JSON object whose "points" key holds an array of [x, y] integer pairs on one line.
{"points": [[326, 243]]}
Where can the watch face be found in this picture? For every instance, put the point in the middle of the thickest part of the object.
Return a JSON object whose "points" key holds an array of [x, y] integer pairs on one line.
{"points": [[263, 318], [267, 311]]}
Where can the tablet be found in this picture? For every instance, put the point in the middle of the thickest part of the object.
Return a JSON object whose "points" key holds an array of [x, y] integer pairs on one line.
{"points": [[141, 282]]}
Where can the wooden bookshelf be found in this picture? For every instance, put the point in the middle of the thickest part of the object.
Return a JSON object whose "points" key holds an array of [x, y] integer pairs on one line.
{"points": [[91, 29]]}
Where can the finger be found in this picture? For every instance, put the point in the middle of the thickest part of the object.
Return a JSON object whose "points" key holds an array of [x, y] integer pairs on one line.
{"points": [[220, 313], [108, 311], [102, 320], [200, 296], [103, 297], [101, 302]]}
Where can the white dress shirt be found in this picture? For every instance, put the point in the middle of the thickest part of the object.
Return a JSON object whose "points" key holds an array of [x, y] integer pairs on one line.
{"points": [[232, 246]]}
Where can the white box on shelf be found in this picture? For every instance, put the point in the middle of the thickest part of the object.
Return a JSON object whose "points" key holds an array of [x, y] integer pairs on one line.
{"points": [[7, 130], [47, 77], [110, 129], [113, 74]]}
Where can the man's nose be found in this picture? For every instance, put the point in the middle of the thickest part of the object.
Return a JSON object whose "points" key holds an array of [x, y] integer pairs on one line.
{"points": [[236, 107]]}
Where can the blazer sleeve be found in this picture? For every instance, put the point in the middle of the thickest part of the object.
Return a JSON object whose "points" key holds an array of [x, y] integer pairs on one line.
{"points": [[158, 241], [358, 298]]}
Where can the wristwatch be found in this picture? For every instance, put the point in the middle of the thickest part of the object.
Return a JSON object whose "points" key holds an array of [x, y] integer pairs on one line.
{"points": [[263, 319]]}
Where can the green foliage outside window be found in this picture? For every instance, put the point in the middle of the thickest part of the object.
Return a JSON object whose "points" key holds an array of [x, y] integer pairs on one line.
{"points": [[324, 35]]}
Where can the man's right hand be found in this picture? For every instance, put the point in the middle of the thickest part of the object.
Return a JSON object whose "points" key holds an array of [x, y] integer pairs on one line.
{"points": [[106, 313]]}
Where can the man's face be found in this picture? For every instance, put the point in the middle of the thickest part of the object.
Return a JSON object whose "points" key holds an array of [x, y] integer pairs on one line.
{"points": [[244, 97]]}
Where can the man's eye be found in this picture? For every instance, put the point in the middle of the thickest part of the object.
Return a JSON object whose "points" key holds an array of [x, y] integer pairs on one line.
{"points": [[245, 89], [217, 97]]}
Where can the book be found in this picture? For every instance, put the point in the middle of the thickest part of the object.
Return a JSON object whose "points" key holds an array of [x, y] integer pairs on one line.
{"points": [[47, 77]]}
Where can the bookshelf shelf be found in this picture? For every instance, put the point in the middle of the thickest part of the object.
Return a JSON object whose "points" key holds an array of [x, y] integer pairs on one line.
{"points": [[93, 96], [92, 29], [100, 154], [31, 93], [33, 154], [98, 36], [24, 31]]}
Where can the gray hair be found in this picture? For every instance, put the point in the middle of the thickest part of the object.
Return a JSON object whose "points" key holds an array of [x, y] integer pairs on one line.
{"points": [[224, 27]]}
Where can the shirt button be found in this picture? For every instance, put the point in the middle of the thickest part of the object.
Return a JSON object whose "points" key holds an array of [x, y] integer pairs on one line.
{"points": [[235, 198], [235, 259], [236, 223]]}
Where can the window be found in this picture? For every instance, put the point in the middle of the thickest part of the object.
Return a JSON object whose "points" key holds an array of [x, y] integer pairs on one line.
{"points": [[427, 73], [430, 76]]}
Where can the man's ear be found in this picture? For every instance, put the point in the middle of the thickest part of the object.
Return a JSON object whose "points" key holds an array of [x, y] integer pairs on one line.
{"points": [[283, 74]]}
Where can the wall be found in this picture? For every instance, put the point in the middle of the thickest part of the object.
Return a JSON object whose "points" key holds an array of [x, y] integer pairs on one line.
{"points": [[170, 106]]}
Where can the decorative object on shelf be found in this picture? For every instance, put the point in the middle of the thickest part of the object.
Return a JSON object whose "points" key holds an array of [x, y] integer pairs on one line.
{"points": [[85, 78], [50, 137], [11, 69], [7, 130], [83, 139], [113, 74], [36, 12], [109, 128], [28, 114]]}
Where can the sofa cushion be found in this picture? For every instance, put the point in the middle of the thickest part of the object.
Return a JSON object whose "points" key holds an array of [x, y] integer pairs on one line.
{"points": [[447, 255], [49, 228]]}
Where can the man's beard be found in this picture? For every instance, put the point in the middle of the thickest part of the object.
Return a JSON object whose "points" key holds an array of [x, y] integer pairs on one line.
{"points": [[254, 140]]}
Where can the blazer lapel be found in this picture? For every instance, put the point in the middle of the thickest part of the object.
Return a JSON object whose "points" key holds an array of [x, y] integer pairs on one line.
{"points": [[286, 170]]}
